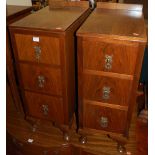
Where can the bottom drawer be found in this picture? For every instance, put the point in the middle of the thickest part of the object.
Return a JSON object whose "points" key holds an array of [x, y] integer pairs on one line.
{"points": [[44, 106], [104, 118]]}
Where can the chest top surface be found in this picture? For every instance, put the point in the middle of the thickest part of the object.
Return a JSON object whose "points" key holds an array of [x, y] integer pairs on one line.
{"points": [[51, 19], [14, 9], [116, 23]]}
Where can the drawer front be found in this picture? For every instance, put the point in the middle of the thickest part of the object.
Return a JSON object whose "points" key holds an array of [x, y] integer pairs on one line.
{"points": [[45, 107], [109, 57], [107, 89], [41, 79], [46, 51], [104, 118]]}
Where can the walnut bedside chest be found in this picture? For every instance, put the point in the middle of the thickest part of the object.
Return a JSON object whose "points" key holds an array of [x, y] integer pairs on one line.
{"points": [[111, 45], [44, 49]]}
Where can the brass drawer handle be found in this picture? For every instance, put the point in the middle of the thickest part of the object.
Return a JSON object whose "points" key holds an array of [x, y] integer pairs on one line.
{"points": [[104, 122], [37, 50], [45, 109], [106, 93], [41, 81], [108, 62]]}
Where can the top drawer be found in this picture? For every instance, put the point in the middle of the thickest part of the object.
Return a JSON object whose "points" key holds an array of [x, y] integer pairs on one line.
{"points": [[109, 57], [35, 48]]}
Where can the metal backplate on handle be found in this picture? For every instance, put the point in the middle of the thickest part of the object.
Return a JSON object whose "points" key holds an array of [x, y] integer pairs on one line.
{"points": [[41, 81], [108, 62], [37, 50], [104, 122], [106, 93], [45, 109]]}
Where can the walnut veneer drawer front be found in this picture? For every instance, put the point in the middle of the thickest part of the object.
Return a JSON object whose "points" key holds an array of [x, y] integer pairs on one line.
{"points": [[36, 48], [42, 79], [109, 57], [44, 106], [107, 89], [104, 118]]}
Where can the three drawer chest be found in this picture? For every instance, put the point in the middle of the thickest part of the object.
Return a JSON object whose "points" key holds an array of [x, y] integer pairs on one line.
{"points": [[44, 49], [111, 45]]}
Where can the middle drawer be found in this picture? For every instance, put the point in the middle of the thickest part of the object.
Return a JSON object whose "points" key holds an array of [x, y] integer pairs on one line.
{"points": [[107, 89], [41, 79]]}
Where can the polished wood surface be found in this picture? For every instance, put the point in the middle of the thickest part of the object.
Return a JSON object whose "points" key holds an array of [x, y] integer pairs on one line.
{"points": [[93, 114], [120, 89], [123, 57], [13, 14], [120, 6], [14, 9], [123, 24], [52, 79], [61, 19], [62, 3], [48, 139], [53, 73], [111, 45], [26, 49], [54, 105]]}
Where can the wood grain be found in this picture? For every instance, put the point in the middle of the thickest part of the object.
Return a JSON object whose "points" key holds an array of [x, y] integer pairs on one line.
{"points": [[35, 104], [61, 19], [130, 7], [119, 89], [57, 64], [13, 13], [52, 76], [121, 34], [62, 3], [49, 138], [26, 52], [123, 25], [123, 57], [93, 114]]}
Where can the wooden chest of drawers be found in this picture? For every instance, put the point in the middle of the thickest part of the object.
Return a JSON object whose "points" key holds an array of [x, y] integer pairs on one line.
{"points": [[44, 49], [111, 44], [13, 14]]}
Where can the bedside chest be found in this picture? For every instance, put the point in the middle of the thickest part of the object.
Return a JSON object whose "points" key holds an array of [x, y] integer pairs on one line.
{"points": [[111, 45], [13, 13], [44, 50]]}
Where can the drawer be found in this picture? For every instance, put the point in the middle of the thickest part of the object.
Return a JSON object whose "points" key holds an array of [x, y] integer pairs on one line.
{"points": [[104, 118], [42, 79], [46, 51], [107, 89], [109, 57], [44, 106]]}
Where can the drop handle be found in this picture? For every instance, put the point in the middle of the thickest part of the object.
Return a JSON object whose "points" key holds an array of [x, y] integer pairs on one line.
{"points": [[37, 50], [106, 93], [45, 109], [108, 62], [41, 81], [104, 122]]}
